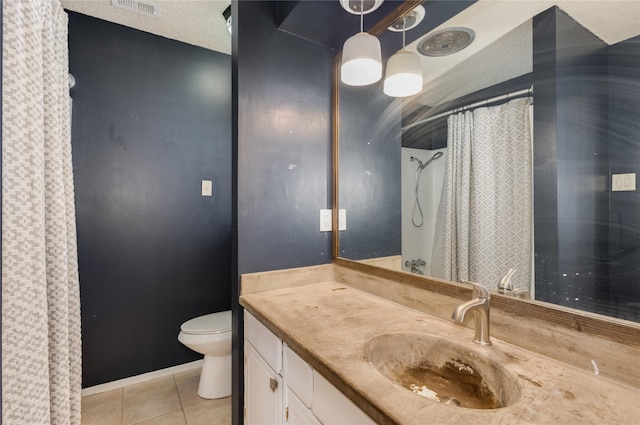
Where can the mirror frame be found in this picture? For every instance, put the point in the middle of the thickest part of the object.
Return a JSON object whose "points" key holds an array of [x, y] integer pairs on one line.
{"points": [[610, 328]]}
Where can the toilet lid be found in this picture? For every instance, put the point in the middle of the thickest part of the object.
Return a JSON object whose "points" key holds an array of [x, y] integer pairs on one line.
{"points": [[208, 324]]}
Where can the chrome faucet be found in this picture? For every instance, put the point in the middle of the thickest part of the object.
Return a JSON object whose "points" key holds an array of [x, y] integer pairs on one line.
{"points": [[505, 287], [414, 264], [479, 305]]}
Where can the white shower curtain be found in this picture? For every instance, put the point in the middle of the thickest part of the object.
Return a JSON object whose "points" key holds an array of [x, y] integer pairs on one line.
{"points": [[41, 352], [488, 206]]}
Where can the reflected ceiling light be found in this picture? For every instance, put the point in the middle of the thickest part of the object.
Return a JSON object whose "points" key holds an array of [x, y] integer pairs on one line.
{"points": [[404, 69], [361, 56]]}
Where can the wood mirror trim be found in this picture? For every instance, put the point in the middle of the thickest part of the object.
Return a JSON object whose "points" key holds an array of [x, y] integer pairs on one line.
{"points": [[335, 154]]}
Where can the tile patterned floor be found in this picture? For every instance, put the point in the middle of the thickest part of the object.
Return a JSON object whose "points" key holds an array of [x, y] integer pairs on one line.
{"points": [[171, 400]]}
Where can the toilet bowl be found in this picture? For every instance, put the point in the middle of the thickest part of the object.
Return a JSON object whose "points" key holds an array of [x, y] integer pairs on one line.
{"points": [[211, 335]]}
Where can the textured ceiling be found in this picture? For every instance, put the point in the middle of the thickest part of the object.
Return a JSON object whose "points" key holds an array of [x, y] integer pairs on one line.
{"points": [[197, 22], [503, 47]]}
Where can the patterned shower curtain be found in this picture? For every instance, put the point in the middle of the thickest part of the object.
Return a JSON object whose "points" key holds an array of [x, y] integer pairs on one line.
{"points": [[488, 205], [41, 352]]}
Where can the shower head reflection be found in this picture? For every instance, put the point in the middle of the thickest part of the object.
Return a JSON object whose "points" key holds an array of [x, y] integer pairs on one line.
{"points": [[421, 165]]}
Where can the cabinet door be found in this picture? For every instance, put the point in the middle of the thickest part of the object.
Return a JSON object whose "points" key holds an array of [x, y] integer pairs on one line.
{"points": [[262, 392], [297, 412]]}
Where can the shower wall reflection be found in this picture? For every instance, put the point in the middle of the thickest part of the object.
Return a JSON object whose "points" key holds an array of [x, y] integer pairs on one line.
{"points": [[421, 197]]}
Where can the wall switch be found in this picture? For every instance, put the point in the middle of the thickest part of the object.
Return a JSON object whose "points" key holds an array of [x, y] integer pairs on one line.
{"points": [[623, 182], [325, 220], [342, 220], [206, 188]]}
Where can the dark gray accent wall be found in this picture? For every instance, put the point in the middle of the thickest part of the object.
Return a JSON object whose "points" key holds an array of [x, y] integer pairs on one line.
{"points": [[624, 155], [151, 119], [284, 145], [370, 141], [282, 134], [570, 161]]}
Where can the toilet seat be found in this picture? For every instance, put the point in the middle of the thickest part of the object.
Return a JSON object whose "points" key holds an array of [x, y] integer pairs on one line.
{"points": [[213, 323]]}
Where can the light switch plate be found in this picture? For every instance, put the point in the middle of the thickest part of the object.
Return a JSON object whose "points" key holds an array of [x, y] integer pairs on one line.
{"points": [[325, 220], [623, 182], [342, 220], [207, 189]]}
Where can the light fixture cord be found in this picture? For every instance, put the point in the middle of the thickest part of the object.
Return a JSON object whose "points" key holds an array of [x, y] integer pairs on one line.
{"points": [[404, 25], [361, 15]]}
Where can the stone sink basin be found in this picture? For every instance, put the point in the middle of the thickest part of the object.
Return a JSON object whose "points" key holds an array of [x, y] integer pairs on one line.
{"points": [[444, 371]]}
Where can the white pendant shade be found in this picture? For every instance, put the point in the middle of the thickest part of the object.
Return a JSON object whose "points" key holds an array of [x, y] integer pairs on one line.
{"points": [[361, 60], [404, 74]]}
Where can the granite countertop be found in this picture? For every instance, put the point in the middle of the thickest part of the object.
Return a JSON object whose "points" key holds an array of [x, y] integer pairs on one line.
{"points": [[328, 324]]}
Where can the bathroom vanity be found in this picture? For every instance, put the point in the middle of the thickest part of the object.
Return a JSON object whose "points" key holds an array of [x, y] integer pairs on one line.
{"points": [[280, 387], [329, 337]]}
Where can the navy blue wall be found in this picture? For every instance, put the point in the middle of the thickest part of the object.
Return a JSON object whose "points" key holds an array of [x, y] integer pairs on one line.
{"points": [[370, 172], [624, 153], [570, 161], [151, 119], [282, 154], [284, 145]]}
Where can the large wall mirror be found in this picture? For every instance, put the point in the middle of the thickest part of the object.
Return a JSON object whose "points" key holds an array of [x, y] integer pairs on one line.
{"points": [[516, 165]]}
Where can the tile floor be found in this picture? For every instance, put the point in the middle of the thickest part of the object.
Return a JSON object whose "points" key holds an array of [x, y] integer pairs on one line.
{"points": [[171, 400]]}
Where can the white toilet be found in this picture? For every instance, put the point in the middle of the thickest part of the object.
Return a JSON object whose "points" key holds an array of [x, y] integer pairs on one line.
{"points": [[211, 335]]}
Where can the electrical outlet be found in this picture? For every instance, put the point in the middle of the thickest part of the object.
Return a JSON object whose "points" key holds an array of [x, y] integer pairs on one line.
{"points": [[342, 219], [207, 189], [325, 220]]}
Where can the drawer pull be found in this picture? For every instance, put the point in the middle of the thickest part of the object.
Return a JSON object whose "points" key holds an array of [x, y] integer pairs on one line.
{"points": [[273, 384]]}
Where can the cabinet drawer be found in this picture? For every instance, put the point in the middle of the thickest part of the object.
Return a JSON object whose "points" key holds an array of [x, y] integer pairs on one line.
{"points": [[334, 408], [299, 376], [265, 342]]}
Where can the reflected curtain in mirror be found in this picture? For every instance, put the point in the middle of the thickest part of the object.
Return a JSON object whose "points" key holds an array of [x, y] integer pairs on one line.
{"points": [[487, 221]]}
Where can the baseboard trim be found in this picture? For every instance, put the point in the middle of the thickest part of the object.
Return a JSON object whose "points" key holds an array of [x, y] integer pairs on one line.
{"points": [[108, 386]]}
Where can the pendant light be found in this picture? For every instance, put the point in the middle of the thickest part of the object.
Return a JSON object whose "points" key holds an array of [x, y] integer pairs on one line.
{"points": [[404, 71], [361, 57]]}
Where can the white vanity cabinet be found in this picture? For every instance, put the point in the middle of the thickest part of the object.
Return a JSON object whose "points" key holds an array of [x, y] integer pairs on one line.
{"points": [[282, 389], [330, 406], [299, 395], [297, 413], [263, 389]]}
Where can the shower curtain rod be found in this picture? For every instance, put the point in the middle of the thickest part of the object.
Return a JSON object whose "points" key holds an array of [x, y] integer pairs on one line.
{"points": [[516, 94]]}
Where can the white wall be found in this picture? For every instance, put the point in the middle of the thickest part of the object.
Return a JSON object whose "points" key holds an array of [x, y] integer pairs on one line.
{"points": [[418, 243]]}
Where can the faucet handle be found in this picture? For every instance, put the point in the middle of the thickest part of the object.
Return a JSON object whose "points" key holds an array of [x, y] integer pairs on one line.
{"points": [[479, 291], [505, 286]]}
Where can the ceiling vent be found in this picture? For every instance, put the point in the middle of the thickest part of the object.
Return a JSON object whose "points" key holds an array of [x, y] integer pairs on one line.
{"points": [[147, 8]]}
